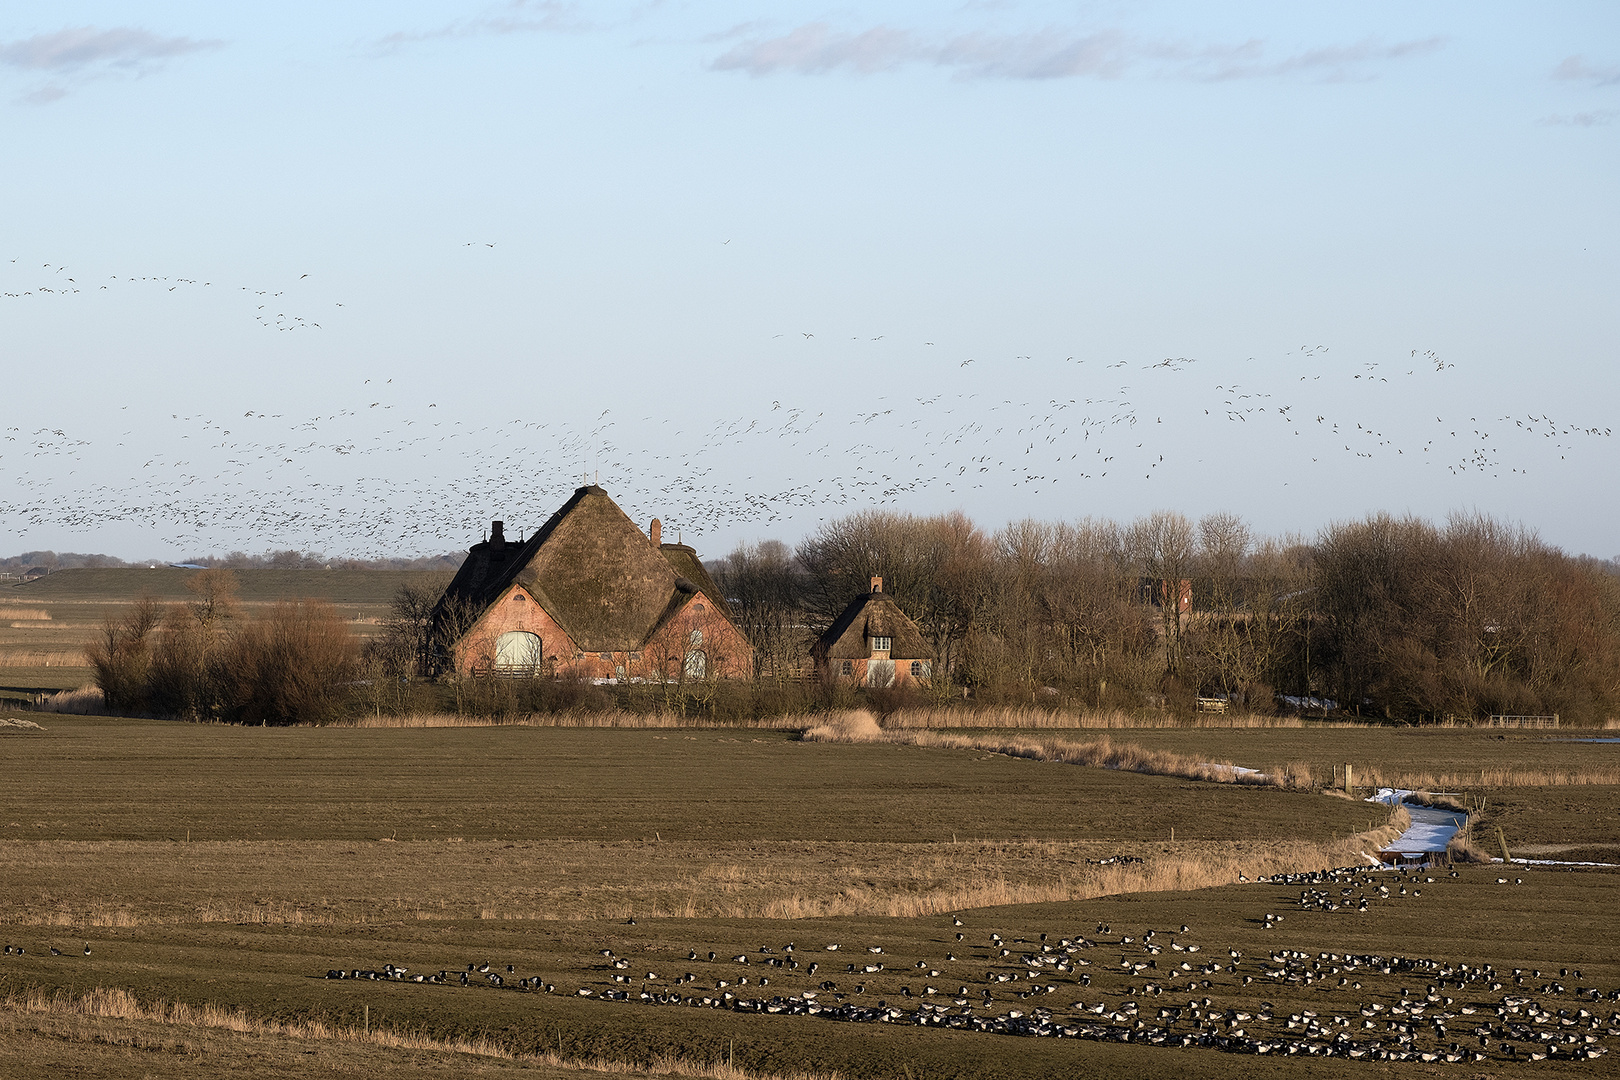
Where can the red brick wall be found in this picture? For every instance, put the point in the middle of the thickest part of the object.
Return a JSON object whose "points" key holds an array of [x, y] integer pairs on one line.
{"points": [[476, 650], [728, 653], [857, 675]]}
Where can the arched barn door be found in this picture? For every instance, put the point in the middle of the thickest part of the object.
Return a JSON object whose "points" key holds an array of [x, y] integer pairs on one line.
{"points": [[517, 650], [880, 674]]}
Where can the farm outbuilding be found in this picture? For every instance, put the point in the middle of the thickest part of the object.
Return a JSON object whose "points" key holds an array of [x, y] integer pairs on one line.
{"points": [[873, 643], [588, 595]]}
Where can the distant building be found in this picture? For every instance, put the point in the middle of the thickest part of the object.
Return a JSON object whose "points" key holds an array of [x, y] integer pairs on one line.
{"points": [[873, 643], [587, 596], [35, 572]]}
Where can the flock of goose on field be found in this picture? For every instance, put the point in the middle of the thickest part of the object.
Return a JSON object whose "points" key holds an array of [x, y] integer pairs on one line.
{"points": [[1156, 987]]}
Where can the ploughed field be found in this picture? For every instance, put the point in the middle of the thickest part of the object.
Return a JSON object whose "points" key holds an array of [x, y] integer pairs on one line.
{"points": [[239, 868]]}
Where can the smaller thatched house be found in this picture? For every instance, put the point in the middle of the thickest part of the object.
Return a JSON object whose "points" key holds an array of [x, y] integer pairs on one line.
{"points": [[873, 643]]}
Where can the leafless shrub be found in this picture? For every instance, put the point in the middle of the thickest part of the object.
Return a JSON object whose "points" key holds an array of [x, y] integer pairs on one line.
{"points": [[291, 666], [121, 655]]}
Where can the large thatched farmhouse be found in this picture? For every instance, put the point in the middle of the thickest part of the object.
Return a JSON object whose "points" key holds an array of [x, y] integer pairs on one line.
{"points": [[589, 595]]}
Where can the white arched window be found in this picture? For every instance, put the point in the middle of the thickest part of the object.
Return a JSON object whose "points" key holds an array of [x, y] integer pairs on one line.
{"points": [[517, 650], [697, 664]]}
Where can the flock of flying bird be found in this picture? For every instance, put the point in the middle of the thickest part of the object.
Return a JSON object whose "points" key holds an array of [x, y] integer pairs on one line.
{"points": [[353, 478]]}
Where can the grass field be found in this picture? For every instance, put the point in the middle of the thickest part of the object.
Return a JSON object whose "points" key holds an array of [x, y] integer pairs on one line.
{"points": [[227, 869]]}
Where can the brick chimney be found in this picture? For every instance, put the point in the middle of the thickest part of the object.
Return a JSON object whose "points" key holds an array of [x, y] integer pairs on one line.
{"points": [[497, 533], [656, 532], [877, 584]]}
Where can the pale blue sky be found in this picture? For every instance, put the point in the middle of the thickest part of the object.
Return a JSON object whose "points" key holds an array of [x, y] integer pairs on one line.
{"points": [[758, 265]]}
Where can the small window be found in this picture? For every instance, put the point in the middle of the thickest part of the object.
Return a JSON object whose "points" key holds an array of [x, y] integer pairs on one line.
{"points": [[700, 607], [847, 668], [635, 656], [695, 637], [881, 644], [519, 598], [604, 656], [919, 669], [697, 665]]}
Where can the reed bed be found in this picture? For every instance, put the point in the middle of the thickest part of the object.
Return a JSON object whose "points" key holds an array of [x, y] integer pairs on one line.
{"points": [[114, 1003], [85, 701], [17, 614], [1030, 717], [860, 726], [17, 657], [608, 718], [1475, 779]]}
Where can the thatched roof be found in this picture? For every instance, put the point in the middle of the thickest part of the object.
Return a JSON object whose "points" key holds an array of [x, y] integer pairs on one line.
{"points": [[687, 564], [593, 571], [870, 615]]}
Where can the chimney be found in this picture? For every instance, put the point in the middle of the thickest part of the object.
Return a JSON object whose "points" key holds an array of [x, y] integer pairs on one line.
{"points": [[877, 584], [497, 533], [656, 532]]}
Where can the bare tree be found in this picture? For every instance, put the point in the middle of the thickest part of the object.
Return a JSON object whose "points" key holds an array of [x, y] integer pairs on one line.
{"points": [[1163, 545], [216, 593]]}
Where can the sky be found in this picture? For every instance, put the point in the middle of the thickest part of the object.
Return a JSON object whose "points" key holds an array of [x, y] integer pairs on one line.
{"points": [[360, 278]]}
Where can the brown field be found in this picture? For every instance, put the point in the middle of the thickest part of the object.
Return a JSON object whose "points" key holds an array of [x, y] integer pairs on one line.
{"points": [[217, 872]]}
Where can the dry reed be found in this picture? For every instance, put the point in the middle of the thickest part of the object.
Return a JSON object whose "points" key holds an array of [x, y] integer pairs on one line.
{"points": [[41, 657], [860, 726], [114, 1003], [608, 718], [24, 614], [85, 701], [1501, 777], [1035, 718]]}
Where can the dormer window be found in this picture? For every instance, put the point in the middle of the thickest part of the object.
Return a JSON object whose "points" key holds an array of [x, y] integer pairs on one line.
{"points": [[881, 644]]}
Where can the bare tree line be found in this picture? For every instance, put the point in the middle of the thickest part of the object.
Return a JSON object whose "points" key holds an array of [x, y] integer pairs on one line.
{"points": [[1387, 617]]}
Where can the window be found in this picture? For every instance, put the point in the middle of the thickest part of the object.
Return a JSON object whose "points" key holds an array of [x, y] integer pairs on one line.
{"points": [[519, 598], [847, 668], [919, 669], [697, 665], [881, 644], [700, 607], [604, 656], [695, 637]]}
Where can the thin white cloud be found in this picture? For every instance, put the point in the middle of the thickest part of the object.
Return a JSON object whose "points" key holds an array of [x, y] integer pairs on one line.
{"points": [[1597, 118], [85, 47], [79, 54], [516, 17], [1576, 69], [818, 48]]}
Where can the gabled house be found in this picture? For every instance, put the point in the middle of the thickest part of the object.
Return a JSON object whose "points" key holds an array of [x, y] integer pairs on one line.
{"points": [[589, 595], [873, 643]]}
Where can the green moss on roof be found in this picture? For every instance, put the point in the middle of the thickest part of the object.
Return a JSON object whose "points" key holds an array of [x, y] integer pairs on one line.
{"points": [[601, 578]]}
